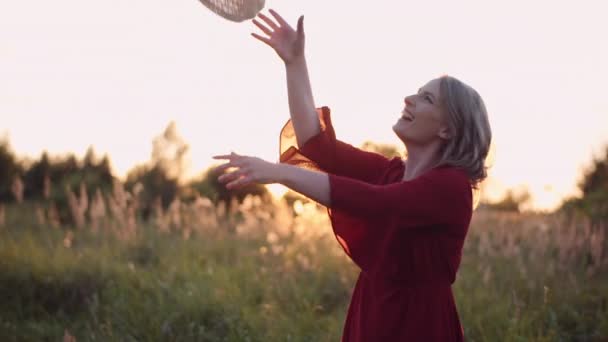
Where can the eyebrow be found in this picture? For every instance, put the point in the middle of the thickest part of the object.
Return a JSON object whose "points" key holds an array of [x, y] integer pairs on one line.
{"points": [[429, 93]]}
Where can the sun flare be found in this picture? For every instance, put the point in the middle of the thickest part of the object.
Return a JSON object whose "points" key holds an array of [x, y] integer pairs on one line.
{"points": [[277, 190]]}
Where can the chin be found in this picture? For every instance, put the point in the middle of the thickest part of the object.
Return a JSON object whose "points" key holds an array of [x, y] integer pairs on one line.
{"points": [[400, 135]]}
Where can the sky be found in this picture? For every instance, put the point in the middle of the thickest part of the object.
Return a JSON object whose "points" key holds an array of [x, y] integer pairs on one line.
{"points": [[112, 74]]}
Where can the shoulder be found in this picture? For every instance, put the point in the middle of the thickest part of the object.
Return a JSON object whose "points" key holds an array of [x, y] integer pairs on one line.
{"points": [[397, 163], [453, 182], [452, 173], [393, 172]]}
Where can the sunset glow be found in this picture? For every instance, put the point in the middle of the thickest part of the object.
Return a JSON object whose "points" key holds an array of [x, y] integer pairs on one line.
{"points": [[113, 74]]}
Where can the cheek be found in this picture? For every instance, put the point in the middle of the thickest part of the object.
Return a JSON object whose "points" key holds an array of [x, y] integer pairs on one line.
{"points": [[425, 128], [429, 121]]}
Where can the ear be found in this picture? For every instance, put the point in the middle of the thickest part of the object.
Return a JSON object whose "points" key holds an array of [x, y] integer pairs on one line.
{"points": [[444, 133]]}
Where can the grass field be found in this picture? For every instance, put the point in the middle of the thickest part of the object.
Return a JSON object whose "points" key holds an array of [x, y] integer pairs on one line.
{"points": [[259, 272]]}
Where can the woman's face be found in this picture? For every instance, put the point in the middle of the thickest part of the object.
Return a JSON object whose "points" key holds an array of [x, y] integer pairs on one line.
{"points": [[422, 119]]}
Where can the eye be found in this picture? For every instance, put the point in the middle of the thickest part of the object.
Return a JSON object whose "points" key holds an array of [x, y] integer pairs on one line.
{"points": [[426, 96]]}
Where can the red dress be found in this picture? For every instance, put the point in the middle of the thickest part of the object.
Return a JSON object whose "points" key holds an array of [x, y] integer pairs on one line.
{"points": [[405, 236]]}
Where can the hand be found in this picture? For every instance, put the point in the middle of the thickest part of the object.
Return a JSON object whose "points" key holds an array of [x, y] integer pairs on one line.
{"points": [[248, 170], [287, 42]]}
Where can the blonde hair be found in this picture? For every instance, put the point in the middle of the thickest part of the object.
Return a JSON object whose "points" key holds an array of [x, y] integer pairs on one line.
{"points": [[470, 133]]}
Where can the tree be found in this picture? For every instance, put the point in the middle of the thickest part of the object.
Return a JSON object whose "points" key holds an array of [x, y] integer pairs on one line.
{"points": [[155, 183], [513, 201], [594, 188], [95, 173], [596, 177], [35, 177], [170, 153], [161, 176], [10, 168]]}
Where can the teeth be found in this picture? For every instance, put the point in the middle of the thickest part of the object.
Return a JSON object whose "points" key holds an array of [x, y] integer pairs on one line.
{"points": [[405, 116]]}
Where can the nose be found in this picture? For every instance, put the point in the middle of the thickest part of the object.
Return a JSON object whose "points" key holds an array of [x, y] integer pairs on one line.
{"points": [[408, 101]]}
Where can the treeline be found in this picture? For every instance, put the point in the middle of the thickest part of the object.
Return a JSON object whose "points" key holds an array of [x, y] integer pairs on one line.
{"points": [[594, 189], [160, 181]]}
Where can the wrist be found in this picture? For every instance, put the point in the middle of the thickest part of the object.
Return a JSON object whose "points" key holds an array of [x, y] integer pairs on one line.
{"points": [[281, 173], [296, 62]]}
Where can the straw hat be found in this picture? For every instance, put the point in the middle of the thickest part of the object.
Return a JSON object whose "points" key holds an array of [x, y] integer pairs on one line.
{"points": [[235, 10]]}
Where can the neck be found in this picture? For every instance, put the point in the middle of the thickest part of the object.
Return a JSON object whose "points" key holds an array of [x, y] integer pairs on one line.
{"points": [[419, 160]]}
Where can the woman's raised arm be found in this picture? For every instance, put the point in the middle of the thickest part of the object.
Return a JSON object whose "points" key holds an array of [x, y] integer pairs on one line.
{"points": [[289, 45]]}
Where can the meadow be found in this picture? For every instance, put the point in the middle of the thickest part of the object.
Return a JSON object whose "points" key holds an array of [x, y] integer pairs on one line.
{"points": [[261, 271]]}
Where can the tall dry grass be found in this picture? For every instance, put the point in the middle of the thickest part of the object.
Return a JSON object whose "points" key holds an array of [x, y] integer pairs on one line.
{"points": [[269, 271]]}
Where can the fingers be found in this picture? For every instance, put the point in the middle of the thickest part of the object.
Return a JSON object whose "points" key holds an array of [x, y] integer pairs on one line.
{"points": [[278, 18], [239, 182], [238, 178], [234, 160], [222, 168], [230, 156], [262, 27], [223, 156], [301, 25], [229, 177], [268, 21], [262, 39]]}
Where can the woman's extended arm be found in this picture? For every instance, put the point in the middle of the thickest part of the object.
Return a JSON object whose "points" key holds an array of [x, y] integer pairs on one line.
{"points": [[435, 197], [289, 45], [431, 198], [313, 184]]}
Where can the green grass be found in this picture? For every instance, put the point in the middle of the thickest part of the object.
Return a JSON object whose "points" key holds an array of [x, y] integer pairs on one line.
{"points": [[223, 286]]}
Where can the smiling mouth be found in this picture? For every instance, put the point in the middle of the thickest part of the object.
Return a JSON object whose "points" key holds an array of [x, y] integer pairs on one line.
{"points": [[405, 115]]}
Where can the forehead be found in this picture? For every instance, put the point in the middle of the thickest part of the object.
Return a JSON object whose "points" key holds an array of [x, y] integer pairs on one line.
{"points": [[432, 87]]}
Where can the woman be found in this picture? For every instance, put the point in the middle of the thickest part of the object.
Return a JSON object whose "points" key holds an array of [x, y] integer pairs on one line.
{"points": [[402, 222]]}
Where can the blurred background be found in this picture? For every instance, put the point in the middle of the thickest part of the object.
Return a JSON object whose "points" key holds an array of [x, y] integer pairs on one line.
{"points": [[110, 113]]}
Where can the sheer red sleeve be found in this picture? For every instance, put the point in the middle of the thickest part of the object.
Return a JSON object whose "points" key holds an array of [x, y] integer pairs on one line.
{"points": [[440, 196], [324, 152]]}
